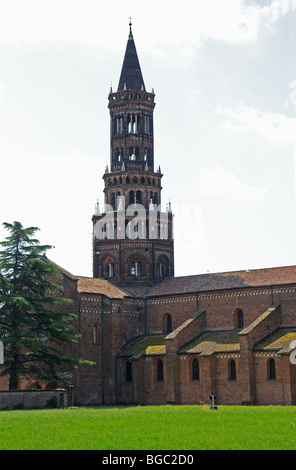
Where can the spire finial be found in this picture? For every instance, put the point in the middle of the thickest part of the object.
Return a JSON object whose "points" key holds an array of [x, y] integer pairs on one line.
{"points": [[130, 25]]}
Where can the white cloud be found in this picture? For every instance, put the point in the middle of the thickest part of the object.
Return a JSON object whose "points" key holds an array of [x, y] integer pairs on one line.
{"points": [[219, 182], [97, 22], [274, 127], [254, 16]]}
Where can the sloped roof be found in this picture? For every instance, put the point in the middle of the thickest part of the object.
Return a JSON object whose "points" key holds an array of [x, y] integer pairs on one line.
{"points": [[62, 270], [212, 342], [92, 285], [225, 280], [99, 286], [279, 341], [131, 75], [147, 346], [137, 290]]}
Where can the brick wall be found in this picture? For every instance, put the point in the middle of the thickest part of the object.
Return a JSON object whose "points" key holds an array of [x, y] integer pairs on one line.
{"points": [[179, 307], [221, 306], [229, 392], [286, 296], [268, 391], [155, 391], [32, 398], [191, 391], [184, 333]]}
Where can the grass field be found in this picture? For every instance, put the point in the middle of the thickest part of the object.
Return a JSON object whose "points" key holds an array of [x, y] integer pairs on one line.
{"points": [[150, 428]]}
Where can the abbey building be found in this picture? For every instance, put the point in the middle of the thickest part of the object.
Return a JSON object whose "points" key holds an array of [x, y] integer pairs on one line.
{"points": [[156, 338]]}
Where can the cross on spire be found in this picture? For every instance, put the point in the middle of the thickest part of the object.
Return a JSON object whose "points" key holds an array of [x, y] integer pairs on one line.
{"points": [[130, 25]]}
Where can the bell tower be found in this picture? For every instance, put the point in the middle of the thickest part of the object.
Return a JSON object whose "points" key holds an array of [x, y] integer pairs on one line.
{"points": [[132, 236]]}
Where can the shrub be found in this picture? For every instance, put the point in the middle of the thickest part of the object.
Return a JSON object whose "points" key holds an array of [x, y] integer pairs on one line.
{"points": [[52, 402]]}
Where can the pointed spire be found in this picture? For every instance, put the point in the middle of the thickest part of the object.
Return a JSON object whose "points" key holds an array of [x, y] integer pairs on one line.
{"points": [[119, 205], [97, 208], [131, 76]]}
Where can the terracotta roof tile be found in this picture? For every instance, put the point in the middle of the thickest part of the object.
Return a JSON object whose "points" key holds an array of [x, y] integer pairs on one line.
{"points": [[279, 341], [99, 286], [212, 342], [149, 345], [225, 280]]}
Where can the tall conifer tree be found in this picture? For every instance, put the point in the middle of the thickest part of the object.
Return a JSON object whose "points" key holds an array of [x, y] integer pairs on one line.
{"points": [[31, 329]]}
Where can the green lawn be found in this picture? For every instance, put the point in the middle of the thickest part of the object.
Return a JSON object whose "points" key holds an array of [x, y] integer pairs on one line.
{"points": [[150, 428]]}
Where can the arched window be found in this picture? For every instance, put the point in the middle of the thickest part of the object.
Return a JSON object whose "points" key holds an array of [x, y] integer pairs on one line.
{"points": [[109, 270], [139, 197], [133, 153], [135, 124], [117, 199], [238, 319], [129, 124], [128, 371], [232, 370], [195, 369], [136, 265], [162, 267], [136, 268], [161, 270], [159, 371], [167, 323], [133, 268], [146, 125], [108, 266], [131, 197], [112, 200], [271, 369], [119, 125], [95, 334]]}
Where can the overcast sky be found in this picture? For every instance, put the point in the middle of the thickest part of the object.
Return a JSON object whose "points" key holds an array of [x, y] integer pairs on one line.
{"points": [[224, 75]]}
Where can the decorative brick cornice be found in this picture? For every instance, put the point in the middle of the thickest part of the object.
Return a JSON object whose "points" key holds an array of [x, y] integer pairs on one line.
{"points": [[171, 300], [283, 290], [128, 313], [90, 299], [225, 295], [229, 355], [90, 310], [267, 354]]}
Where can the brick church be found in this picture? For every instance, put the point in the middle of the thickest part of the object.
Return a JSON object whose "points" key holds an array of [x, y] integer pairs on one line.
{"points": [[156, 338]]}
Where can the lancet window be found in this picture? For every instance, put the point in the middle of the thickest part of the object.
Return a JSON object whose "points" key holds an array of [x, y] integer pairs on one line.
{"points": [[133, 123]]}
